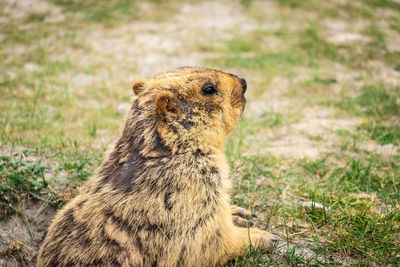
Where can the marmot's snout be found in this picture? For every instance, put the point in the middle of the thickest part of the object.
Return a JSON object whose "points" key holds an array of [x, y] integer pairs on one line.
{"points": [[244, 84]]}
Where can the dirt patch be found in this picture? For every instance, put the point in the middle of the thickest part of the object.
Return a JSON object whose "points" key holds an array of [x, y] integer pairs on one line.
{"points": [[143, 48], [341, 32], [385, 150], [19, 9], [347, 37], [22, 233], [298, 140], [313, 134], [17, 246]]}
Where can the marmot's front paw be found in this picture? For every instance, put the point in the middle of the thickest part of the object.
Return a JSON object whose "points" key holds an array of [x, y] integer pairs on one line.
{"points": [[262, 239], [242, 217]]}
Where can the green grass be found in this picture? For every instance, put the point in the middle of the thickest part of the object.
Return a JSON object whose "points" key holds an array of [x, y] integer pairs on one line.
{"points": [[23, 176], [106, 12], [360, 189], [349, 10], [315, 47], [381, 133], [260, 61], [361, 194], [380, 106], [46, 122], [18, 178], [382, 3], [378, 101]]}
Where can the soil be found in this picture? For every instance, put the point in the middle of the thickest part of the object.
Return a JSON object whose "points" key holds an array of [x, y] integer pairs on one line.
{"points": [[17, 246]]}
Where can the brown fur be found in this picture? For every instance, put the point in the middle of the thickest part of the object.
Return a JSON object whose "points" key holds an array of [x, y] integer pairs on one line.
{"points": [[160, 198]]}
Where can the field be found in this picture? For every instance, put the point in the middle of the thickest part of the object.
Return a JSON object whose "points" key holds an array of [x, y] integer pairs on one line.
{"points": [[316, 154]]}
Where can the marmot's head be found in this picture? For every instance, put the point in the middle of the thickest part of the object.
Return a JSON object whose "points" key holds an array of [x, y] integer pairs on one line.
{"points": [[190, 108]]}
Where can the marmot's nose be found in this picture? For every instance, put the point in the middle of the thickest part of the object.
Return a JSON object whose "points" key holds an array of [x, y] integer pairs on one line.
{"points": [[244, 84]]}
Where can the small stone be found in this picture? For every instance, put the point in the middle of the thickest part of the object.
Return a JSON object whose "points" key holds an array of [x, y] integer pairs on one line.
{"points": [[309, 205], [55, 19], [345, 38], [31, 67]]}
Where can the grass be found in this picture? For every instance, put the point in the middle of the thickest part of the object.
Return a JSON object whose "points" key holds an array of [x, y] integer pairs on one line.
{"points": [[379, 105], [260, 61], [359, 188], [315, 47], [361, 193], [25, 176], [62, 82], [40, 114], [106, 12], [381, 133], [359, 9], [19, 177]]}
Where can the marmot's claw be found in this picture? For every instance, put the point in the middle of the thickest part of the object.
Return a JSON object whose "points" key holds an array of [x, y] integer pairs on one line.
{"points": [[241, 222], [273, 242], [264, 240], [241, 212]]}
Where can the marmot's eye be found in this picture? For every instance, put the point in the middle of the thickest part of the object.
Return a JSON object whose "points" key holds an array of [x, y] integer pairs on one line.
{"points": [[208, 90]]}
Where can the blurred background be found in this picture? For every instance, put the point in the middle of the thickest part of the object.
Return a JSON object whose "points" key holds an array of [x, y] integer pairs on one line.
{"points": [[316, 153]]}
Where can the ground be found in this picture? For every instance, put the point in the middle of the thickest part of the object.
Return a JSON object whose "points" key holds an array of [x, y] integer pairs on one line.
{"points": [[316, 154]]}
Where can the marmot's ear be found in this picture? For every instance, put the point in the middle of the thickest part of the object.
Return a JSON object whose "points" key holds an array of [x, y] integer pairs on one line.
{"points": [[166, 103], [138, 86]]}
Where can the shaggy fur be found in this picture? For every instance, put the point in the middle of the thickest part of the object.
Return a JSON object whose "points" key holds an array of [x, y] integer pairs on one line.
{"points": [[160, 198]]}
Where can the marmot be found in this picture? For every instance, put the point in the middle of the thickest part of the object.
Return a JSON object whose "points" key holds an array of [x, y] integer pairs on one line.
{"points": [[160, 198]]}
